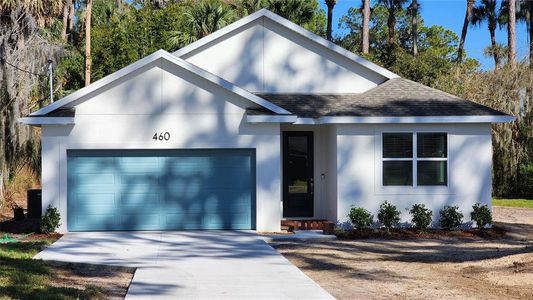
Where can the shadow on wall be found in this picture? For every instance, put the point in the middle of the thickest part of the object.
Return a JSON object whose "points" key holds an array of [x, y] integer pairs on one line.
{"points": [[469, 183]]}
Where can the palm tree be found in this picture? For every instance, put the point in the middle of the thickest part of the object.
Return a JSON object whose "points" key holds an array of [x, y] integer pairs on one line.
{"points": [[202, 19], [413, 10], [298, 11], [88, 61], [468, 17], [486, 11], [365, 39], [393, 7], [511, 32], [330, 4]]}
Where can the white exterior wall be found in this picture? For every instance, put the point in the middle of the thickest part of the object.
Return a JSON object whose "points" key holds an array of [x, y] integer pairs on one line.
{"points": [[359, 170], [264, 56], [162, 98]]}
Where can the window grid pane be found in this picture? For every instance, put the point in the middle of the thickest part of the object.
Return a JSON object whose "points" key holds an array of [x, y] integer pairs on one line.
{"points": [[398, 173], [432, 144], [397, 145], [432, 173]]}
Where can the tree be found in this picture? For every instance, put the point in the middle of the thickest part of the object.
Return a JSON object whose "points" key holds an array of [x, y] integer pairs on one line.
{"points": [[413, 9], [365, 32], [24, 52], [88, 15], [530, 29], [330, 4], [511, 33], [468, 17], [486, 12], [393, 6]]}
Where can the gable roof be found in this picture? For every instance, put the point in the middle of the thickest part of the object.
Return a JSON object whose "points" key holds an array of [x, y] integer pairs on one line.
{"points": [[265, 13], [398, 97], [160, 54]]}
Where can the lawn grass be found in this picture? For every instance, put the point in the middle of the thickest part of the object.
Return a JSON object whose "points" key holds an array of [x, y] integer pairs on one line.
{"points": [[21, 277], [528, 203]]}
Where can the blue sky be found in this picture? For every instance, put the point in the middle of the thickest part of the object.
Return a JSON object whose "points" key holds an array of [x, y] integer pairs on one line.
{"points": [[450, 14]]}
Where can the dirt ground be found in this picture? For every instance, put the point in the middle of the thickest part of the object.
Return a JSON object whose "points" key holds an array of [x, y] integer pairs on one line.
{"points": [[112, 281], [448, 268]]}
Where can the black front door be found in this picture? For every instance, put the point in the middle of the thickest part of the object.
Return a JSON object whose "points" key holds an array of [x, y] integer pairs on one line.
{"points": [[298, 171]]}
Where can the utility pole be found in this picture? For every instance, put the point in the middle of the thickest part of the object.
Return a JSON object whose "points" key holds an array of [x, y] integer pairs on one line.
{"points": [[51, 80]]}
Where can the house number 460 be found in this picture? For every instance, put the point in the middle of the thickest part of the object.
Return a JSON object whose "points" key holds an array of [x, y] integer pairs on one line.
{"points": [[162, 136]]}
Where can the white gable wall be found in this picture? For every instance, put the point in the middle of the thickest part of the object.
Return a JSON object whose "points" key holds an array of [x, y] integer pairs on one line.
{"points": [[264, 56], [359, 170], [162, 98]]}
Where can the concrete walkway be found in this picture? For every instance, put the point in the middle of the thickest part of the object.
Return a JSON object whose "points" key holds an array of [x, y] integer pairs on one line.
{"points": [[191, 264]]}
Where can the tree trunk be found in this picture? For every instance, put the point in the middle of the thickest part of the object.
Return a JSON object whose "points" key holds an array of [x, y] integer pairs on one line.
{"points": [[530, 9], [330, 4], [71, 12], [414, 26], [495, 54], [65, 22], [468, 17], [511, 33], [88, 13], [391, 24], [365, 40]]}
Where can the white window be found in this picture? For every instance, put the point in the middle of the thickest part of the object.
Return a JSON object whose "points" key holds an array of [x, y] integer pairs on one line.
{"points": [[415, 159]]}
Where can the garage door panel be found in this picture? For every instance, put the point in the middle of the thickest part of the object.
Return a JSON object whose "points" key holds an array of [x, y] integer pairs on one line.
{"points": [[161, 189], [136, 201], [101, 221], [140, 221]]}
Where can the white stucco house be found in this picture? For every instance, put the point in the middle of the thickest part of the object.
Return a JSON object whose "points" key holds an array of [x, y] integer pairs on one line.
{"points": [[258, 122]]}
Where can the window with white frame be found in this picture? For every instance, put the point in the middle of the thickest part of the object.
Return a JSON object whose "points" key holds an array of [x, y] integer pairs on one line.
{"points": [[415, 159]]}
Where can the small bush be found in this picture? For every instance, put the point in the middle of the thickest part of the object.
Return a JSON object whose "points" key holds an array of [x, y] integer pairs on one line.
{"points": [[50, 220], [450, 217], [481, 214], [388, 215], [360, 217], [421, 216]]}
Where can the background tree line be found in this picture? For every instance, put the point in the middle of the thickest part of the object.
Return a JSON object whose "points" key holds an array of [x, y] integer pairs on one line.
{"points": [[89, 39]]}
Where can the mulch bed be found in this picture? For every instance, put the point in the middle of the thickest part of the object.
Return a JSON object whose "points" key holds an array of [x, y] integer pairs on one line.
{"points": [[410, 233]]}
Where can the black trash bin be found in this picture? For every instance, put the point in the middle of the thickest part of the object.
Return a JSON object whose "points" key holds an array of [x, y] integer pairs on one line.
{"points": [[34, 204]]}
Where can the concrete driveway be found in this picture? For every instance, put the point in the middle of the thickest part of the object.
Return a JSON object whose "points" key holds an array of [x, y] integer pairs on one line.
{"points": [[191, 264]]}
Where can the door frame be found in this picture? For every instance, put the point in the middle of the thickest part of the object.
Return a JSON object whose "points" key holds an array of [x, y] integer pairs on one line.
{"points": [[310, 134]]}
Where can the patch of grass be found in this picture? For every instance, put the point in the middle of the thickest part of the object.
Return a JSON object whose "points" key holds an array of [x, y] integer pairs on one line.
{"points": [[528, 203], [21, 277]]}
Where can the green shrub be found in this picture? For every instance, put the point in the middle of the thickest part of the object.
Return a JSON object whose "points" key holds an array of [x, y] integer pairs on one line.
{"points": [[388, 215], [450, 217], [50, 220], [421, 216], [481, 214], [360, 217]]}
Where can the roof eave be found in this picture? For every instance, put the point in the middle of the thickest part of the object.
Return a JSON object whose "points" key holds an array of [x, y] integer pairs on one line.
{"points": [[38, 121], [380, 119]]}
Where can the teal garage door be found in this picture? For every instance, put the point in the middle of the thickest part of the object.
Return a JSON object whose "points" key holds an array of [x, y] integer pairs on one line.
{"points": [[161, 189]]}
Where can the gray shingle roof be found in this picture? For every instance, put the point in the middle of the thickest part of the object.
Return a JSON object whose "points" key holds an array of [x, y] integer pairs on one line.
{"points": [[396, 97]]}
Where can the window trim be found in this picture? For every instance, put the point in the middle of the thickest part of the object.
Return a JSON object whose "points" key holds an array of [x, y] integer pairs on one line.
{"points": [[415, 188]]}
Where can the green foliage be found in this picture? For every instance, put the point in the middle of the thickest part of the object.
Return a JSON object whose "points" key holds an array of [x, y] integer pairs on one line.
{"points": [[509, 90], [481, 214], [50, 220], [388, 215], [421, 216], [450, 217], [525, 180], [360, 217], [437, 46]]}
